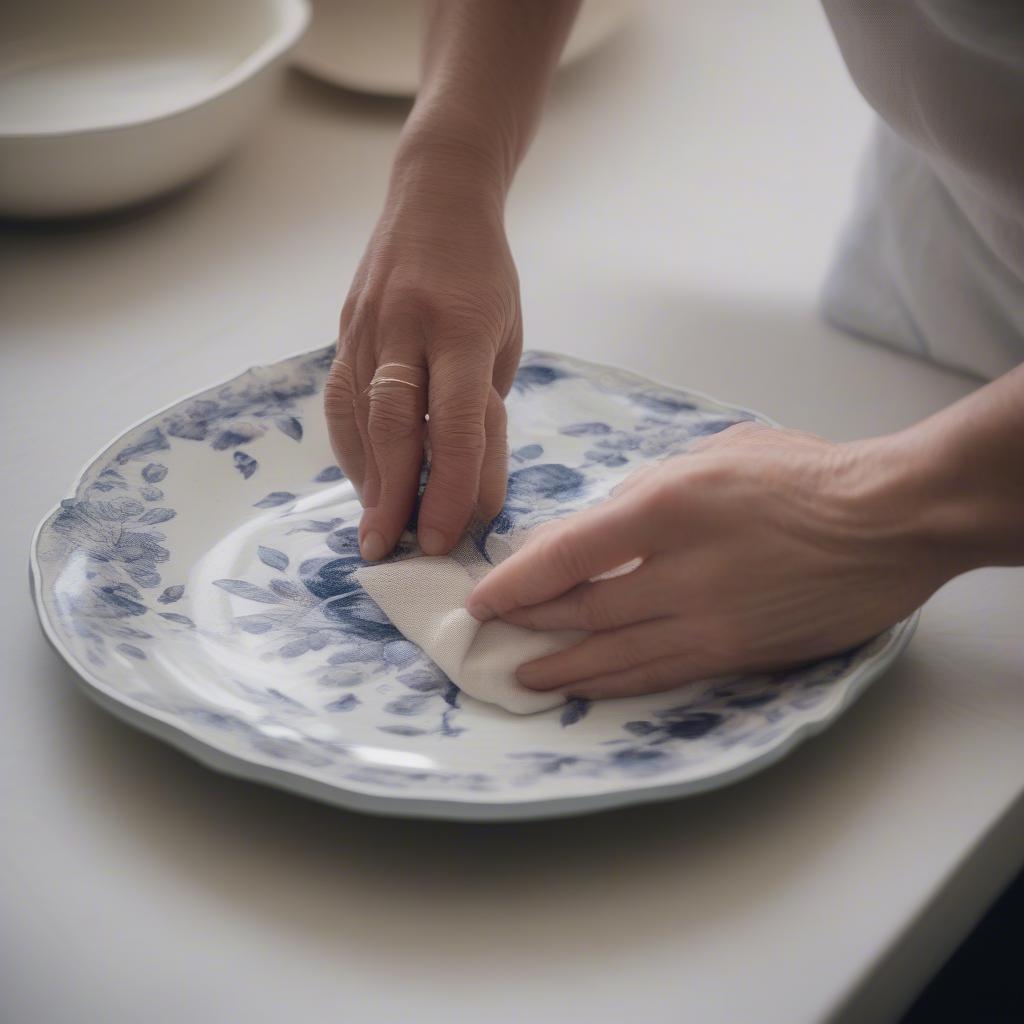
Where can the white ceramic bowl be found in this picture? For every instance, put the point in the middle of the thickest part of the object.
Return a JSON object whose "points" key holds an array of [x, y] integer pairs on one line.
{"points": [[373, 45], [107, 104]]}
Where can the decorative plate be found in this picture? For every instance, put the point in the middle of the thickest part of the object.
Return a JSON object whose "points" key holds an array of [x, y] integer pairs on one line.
{"points": [[199, 581]]}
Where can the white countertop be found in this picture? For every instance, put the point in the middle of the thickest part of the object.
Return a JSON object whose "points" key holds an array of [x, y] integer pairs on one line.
{"points": [[675, 216]]}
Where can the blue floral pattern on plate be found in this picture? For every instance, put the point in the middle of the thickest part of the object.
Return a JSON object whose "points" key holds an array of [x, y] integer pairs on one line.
{"points": [[200, 580]]}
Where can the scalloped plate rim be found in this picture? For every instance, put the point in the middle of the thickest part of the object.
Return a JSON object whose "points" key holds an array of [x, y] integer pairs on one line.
{"points": [[467, 806]]}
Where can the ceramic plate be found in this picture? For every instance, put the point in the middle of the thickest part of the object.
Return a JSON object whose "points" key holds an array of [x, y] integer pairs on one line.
{"points": [[199, 581], [374, 45]]}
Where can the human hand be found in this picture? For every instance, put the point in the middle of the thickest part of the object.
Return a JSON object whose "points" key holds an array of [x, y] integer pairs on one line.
{"points": [[432, 323], [760, 549]]}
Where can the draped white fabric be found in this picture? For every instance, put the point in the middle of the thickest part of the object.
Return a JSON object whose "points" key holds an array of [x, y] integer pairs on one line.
{"points": [[933, 258]]}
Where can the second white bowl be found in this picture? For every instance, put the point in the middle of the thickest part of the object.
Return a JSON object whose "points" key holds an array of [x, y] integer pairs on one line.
{"points": [[374, 45]]}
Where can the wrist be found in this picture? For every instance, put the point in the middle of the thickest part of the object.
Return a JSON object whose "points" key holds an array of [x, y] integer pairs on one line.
{"points": [[919, 503], [451, 158], [976, 498]]}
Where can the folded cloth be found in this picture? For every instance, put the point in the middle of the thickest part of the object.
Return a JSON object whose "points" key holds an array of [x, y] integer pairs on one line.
{"points": [[425, 597]]}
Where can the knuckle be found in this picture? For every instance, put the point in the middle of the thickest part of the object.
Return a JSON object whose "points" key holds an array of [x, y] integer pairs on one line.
{"points": [[412, 304], [445, 298], [689, 494], [665, 499], [737, 434], [565, 555], [459, 436], [385, 429], [348, 312], [463, 325], [392, 417], [356, 323], [338, 390], [462, 373], [487, 305], [732, 432], [440, 306], [708, 478]]}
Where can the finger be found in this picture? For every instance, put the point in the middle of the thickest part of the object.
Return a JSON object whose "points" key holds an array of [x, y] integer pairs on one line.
{"points": [[365, 360], [494, 470], [506, 363], [602, 605], [575, 550], [633, 479], [653, 677], [536, 533], [460, 383], [369, 494], [617, 650], [731, 435], [395, 427], [342, 425]]}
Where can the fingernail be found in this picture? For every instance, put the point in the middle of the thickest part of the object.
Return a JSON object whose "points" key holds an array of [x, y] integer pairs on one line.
{"points": [[432, 541], [526, 676], [372, 546], [479, 611]]}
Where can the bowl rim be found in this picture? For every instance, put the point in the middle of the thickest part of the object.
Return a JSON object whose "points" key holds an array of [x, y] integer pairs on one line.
{"points": [[404, 83], [293, 18]]}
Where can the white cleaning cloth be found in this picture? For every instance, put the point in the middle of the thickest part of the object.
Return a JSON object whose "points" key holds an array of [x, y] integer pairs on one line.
{"points": [[425, 598]]}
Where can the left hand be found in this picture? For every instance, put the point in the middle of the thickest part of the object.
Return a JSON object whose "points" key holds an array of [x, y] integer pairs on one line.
{"points": [[432, 320], [760, 549]]}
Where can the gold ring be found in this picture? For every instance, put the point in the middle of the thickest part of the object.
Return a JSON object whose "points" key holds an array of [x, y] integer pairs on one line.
{"points": [[390, 380], [405, 366], [378, 378]]}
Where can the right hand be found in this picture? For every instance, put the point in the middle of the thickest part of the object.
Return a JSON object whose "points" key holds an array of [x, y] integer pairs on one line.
{"points": [[434, 303]]}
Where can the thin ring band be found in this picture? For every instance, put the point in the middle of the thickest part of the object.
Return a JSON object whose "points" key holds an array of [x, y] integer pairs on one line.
{"points": [[405, 366], [393, 380], [389, 380]]}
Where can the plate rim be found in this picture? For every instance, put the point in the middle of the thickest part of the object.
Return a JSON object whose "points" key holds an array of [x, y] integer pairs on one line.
{"points": [[464, 806]]}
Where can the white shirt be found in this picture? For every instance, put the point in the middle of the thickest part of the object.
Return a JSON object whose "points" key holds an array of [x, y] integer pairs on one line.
{"points": [[933, 258]]}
